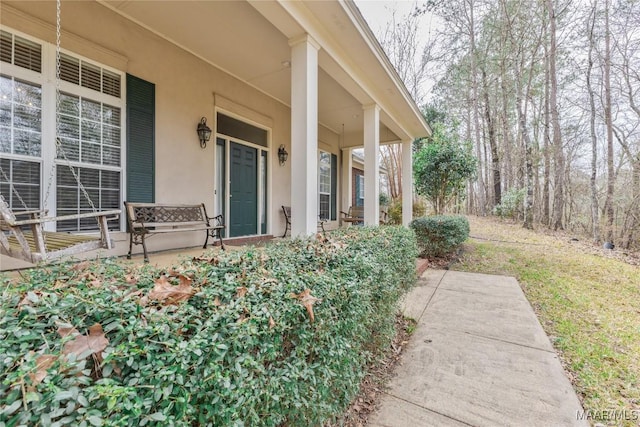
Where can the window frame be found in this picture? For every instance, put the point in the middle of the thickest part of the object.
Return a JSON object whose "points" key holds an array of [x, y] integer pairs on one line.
{"points": [[48, 159], [320, 183]]}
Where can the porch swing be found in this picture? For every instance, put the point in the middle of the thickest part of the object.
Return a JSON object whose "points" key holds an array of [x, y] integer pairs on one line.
{"points": [[25, 238]]}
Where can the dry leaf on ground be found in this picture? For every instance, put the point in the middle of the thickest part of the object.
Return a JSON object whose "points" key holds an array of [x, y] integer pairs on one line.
{"points": [[82, 346], [169, 293], [308, 301], [43, 362]]}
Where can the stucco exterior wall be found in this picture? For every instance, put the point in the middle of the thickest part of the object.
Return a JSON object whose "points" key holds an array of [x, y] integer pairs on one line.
{"points": [[187, 88]]}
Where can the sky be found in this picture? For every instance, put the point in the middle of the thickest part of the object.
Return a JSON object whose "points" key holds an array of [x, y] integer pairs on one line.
{"points": [[378, 12]]}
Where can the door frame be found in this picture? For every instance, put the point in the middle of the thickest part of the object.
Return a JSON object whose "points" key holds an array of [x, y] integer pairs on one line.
{"points": [[262, 186]]}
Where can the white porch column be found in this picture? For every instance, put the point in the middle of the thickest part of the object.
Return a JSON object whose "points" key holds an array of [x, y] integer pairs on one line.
{"points": [[407, 183], [304, 135], [347, 185], [371, 165]]}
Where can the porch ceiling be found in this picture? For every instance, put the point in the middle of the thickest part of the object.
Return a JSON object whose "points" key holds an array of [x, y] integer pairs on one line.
{"points": [[249, 40]]}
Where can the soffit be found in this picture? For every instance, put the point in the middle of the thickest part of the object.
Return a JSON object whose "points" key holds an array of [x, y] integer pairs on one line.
{"points": [[249, 40], [235, 37]]}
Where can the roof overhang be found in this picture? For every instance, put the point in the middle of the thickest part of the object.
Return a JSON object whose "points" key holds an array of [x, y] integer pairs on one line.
{"points": [[250, 40]]}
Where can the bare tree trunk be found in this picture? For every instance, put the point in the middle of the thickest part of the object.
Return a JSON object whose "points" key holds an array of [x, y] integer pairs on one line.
{"points": [[471, 199], [475, 105], [634, 222], [506, 132], [595, 220], [545, 145], [609, 125], [391, 156], [495, 157], [528, 200], [558, 194], [526, 140]]}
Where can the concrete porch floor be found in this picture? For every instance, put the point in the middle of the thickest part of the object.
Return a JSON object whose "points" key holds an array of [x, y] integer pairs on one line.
{"points": [[170, 258], [160, 259]]}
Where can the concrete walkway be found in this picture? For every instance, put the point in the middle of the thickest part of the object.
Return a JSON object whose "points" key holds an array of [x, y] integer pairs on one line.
{"points": [[478, 357]]}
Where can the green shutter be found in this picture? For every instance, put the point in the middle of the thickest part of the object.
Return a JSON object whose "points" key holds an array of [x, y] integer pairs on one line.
{"points": [[141, 104], [334, 187]]}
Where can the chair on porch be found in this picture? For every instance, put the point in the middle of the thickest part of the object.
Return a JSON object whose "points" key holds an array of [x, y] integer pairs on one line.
{"points": [[355, 215], [286, 210]]}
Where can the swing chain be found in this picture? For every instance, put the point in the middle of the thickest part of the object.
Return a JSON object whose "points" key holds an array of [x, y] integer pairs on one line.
{"points": [[59, 146]]}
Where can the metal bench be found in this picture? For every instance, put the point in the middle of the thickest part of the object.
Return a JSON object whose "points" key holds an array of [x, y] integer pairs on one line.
{"points": [[287, 216], [153, 218]]}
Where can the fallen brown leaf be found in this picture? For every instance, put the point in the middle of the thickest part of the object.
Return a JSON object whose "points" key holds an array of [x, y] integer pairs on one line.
{"points": [[81, 266], [130, 279], [43, 362], [184, 280], [64, 331], [26, 301], [171, 294], [308, 301], [82, 346], [241, 291]]}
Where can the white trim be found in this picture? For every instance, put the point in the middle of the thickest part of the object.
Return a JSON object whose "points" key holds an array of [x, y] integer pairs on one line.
{"points": [[371, 165], [260, 149], [304, 38], [241, 112], [407, 183]]}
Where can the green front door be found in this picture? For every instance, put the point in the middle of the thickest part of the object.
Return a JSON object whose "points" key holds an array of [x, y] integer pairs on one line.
{"points": [[243, 197]]}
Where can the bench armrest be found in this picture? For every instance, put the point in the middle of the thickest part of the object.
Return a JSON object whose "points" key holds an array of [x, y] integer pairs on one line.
{"points": [[33, 213], [219, 219]]}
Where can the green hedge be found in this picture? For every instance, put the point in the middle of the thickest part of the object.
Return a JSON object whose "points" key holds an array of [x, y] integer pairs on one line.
{"points": [[241, 348], [440, 234]]}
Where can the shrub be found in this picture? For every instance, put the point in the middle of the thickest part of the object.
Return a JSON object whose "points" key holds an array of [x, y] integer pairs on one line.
{"points": [[395, 211], [278, 336], [442, 167], [511, 205], [440, 234]]}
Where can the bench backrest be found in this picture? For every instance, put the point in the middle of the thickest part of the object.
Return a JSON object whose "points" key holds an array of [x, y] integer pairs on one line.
{"points": [[356, 211], [164, 214]]}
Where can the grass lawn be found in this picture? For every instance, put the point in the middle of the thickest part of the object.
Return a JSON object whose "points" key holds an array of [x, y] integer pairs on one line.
{"points": [[587, 302]]}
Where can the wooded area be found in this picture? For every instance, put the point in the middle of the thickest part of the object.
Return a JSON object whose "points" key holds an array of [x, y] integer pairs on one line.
{"points": [[548, 94]]}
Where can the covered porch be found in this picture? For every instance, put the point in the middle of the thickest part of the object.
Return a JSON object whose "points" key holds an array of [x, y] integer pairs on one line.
{"points": [[305, 77]]}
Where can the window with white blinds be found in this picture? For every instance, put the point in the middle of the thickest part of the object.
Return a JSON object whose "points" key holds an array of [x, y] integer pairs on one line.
{"points": [[82, 73], [90, 130], [21, 52], [324, 185], [21, 178]]}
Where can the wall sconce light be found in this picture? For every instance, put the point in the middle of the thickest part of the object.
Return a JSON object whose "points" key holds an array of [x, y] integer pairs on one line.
{"points": [[282, 155], [204, 132]]}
